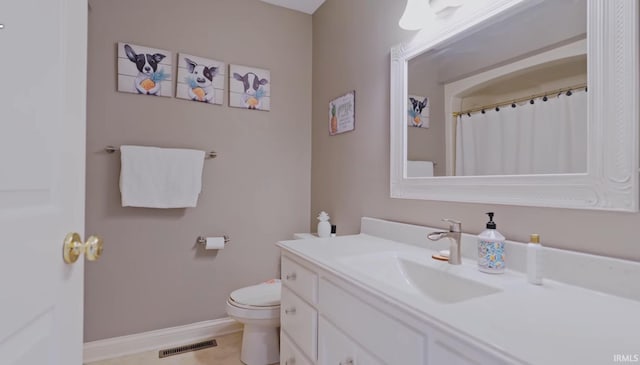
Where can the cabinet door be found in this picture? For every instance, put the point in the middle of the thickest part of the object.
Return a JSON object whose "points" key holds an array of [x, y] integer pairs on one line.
{"points": [[289, 353], [300, 280], [382, 335], [299, 320], [335, 348]]}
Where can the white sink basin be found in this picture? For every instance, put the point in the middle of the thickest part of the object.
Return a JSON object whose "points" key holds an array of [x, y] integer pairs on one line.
{"points": [[435, 283]]}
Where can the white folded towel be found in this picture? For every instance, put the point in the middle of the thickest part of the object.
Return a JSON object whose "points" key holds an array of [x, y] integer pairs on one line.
{"points": [[154, 177], [419, 168]]}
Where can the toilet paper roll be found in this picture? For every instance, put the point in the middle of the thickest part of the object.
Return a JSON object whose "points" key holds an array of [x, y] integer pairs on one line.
{"points": [[214, 243]]}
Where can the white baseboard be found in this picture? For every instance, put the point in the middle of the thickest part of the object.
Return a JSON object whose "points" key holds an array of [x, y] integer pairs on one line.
{"points": [[155, 340]]}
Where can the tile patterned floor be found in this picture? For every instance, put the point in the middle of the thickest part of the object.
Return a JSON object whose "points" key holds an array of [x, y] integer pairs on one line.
{"points": [[226, 353]]}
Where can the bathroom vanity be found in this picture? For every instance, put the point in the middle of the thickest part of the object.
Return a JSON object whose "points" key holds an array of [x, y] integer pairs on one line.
{"points": [[379, 298]]}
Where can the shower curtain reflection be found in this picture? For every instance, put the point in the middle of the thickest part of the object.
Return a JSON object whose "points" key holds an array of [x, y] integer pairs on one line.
{"points": [[546, 137]]}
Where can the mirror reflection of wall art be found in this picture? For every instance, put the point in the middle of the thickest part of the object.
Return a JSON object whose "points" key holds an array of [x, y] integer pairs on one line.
{"points": [[144, 70], [342, 114], [249, 88], [418, 111], [200, 79]]}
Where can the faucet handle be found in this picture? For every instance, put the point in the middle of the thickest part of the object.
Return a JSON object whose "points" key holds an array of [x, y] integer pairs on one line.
{"points": [[454, 225]]}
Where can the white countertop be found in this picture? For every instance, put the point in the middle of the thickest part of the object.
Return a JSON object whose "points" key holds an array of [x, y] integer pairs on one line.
{"points": [[555, 323]]}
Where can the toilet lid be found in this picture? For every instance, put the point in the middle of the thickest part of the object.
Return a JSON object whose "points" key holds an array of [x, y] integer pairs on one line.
{"points": [[262, 295]]}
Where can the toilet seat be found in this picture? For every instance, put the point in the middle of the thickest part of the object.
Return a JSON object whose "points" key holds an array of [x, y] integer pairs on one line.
{"points": [[251, 307], [253, 313], [260, 301], [258, 296]]}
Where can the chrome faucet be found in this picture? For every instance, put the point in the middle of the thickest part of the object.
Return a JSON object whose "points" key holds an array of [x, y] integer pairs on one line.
{"points": [[454, 235]]}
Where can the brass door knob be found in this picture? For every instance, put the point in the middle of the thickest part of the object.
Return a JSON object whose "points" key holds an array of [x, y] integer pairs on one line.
{"points": [[93, 248], [73, 248]]}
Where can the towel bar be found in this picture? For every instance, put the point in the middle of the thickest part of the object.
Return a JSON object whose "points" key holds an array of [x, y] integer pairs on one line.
{"points": [[203, 240], [113, 149]]}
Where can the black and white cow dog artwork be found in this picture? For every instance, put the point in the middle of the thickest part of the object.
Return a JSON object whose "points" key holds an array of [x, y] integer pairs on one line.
{"points": [[250, 88], [147, 65], [201, 81], [142, 71], [418, 113], [253, 91]]}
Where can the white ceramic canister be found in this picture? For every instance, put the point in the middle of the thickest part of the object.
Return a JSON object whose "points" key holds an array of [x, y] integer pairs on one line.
{"points": [[324, 226]]}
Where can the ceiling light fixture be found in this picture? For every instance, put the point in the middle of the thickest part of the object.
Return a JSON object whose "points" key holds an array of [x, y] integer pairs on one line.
{"points": [[418, 12], [415, 15]]}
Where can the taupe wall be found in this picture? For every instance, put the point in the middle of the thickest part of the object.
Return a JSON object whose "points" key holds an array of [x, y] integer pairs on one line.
{"points": [[428, 144], [350, 172], [258, 190]]}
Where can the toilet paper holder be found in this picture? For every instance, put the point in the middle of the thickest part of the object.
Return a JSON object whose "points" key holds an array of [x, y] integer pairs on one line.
{"points": [[203, 240]]}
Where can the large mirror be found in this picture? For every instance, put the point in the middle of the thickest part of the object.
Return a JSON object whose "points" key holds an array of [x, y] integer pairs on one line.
{"points": [[479, 91], [513, 102]]}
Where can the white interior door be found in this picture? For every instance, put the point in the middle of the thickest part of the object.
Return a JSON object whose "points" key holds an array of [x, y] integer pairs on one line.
{"points": [[42, 149]]}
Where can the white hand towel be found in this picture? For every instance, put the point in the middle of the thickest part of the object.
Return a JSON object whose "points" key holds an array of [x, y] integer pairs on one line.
{"points": [[419, 168], [154, 177]]}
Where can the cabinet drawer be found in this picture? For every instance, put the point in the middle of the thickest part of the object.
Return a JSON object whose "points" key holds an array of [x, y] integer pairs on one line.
{"points": [[302, 281], [300, 321], [334, 348], [385, 337], [289, 353]]}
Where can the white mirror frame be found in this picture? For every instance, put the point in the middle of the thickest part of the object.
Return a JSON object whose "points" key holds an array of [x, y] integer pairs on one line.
{"points": [[611, 182]]}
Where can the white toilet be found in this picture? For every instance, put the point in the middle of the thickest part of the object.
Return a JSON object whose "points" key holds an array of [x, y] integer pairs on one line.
{"points": [[258, 308]]}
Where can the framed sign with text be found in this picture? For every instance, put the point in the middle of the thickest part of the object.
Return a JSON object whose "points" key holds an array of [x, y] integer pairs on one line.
{"points": [[342, 114]]}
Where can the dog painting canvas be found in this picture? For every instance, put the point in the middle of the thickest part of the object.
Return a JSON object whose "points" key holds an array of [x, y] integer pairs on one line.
{"points": [[200, 79], [418, 111], [249, 88], [144, 70]]}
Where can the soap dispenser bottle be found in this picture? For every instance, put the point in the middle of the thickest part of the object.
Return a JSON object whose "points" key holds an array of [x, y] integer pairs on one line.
{"points": [[491, 249]]}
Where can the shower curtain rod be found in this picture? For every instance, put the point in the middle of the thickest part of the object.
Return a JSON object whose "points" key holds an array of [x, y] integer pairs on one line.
{"points": [[519, 100]]}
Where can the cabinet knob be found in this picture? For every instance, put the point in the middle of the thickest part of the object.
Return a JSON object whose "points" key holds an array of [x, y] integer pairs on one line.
{"points": [[291, 276], [290, 311], [347, 362]]}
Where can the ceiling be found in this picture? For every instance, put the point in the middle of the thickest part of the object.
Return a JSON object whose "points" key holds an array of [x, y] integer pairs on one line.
{"points": [[305, 6]]}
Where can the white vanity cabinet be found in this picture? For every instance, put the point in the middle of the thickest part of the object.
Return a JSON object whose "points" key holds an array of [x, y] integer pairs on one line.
{"points": [[378, 298], [298, 315], [327, 320]]}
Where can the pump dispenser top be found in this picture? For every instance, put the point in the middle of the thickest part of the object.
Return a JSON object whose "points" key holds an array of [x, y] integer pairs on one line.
{"points": [[491, 224]]}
